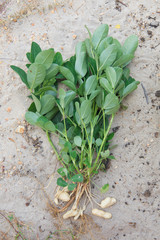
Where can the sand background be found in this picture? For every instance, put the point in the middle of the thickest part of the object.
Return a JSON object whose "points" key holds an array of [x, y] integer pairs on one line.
{"points": [[26, 160]]}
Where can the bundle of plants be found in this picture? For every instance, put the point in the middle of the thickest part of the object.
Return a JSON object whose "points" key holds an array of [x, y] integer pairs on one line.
{"points": [[77, 99]]}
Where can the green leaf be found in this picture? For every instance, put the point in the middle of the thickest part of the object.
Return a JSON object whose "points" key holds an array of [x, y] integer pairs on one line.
{"points": [[94, 94], [28, 55], [105, 154], [70, 95], [61, 182], [21, 73], [111, 76], [62, 94], [37, 103], [35, 75], [68, 146], [108, 56], [103, 45], [110, 136], [52, 71], [72, 186], [32, 107], [85, 109], [78, 141], [114, 75], [28, 65], [105, 188], [91, 84], [31, 117], [77, 178], [123, 60], [119, 48], [47, 103], [111, 157], [49, 126], [58, 58], [45, 124], [119, 72], [35, 49], [70, 85], [130, 88], [111, 104], [66, 73], [126, 72], [98, 142], [99, 34], [73, 154], [88, 47], [81, 63], [106, 85], [100, 98], [120, 86], [45, 58], [63, 172], [69, 110], [65, 157], [130, 45]]}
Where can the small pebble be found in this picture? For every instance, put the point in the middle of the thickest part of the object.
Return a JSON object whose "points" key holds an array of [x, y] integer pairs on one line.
{"points": [[154, 24], [20, 129]]}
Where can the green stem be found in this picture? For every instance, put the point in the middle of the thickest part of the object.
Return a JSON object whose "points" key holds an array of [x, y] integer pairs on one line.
{"points": [[73, 160], [54, 148], [75, 125], [103, 142], [90, 144], [104, 122], [65, 126]]}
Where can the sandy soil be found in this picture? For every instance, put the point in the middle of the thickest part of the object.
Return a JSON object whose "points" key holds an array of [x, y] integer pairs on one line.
{"points": [[26, 160]]}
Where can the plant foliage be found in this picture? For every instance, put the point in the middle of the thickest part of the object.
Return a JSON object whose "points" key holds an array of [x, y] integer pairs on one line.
{"points": [[97, 80]]}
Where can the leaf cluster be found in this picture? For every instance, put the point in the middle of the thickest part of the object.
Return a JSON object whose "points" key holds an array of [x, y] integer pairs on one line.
{"points": [[97, 79]]}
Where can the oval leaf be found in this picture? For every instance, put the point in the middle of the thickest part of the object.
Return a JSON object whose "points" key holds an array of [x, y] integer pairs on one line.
{"points": [[91, 84], [130, 88], [111, 76], [106, 85], [21, 73], [85, 109], [47, 103], [108, 56], [45, 58], [130, 45], [78, 141], [35, 49], [37, 103], [61, 182], [123, 60], [70, 95], [111, 103], [66, 73], [99, 34], [52, 71], [35, 75], [72, 186], [77, 178], [103, 45], [31, 117], [49, 126], [81, 63], [63, 171]]}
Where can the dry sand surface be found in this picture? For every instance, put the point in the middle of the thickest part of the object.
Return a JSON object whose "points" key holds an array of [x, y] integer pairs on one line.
{"points": [[27, 164]]}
